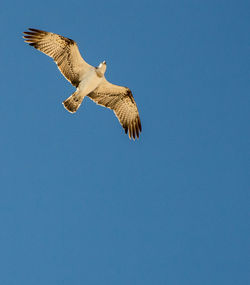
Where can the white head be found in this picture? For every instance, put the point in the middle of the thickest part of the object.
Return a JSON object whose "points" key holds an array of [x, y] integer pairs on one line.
{"points": [[101, 68]]}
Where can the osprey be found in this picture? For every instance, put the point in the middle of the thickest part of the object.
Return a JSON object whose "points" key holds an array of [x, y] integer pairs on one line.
{"points": [[88, 80]]}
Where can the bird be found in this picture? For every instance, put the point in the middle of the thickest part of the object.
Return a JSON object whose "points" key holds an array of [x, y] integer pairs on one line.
{"points": [[88, 80]]}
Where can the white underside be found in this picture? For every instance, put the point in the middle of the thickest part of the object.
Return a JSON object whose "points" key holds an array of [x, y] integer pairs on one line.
{"points": [[89, 82]]}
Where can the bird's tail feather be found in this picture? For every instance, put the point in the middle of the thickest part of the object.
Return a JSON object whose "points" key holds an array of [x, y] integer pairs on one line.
{"points": [[73, 102]]}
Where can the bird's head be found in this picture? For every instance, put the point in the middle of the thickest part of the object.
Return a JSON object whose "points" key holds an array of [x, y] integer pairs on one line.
{"points": [[101, 68]]}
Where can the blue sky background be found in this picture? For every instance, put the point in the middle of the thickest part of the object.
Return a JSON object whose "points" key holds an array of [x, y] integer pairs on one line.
{"points": [[82, 204]]}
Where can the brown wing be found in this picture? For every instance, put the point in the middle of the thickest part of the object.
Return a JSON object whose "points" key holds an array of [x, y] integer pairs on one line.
{"points": [[64, 51], [121, 101]]}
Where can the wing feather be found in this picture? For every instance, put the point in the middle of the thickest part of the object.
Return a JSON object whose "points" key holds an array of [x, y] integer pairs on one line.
{"points": [[121, 101], [63, 50]]}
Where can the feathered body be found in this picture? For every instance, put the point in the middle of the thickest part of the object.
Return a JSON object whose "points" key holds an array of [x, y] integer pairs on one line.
{"points": [[88, 80]]}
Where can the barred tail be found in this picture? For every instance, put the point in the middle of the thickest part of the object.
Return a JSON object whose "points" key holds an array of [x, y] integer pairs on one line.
{"points": [[73, 102]]}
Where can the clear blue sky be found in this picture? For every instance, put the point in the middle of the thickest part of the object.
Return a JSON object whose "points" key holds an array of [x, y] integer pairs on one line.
{"points": [[82, 204]]}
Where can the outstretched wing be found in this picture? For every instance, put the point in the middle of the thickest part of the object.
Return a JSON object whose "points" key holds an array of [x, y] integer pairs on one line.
{"points": [[121, 101], [64, 51]]}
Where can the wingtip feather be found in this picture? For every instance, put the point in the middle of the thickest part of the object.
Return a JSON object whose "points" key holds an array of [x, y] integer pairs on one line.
{"points": [[36, 30]]}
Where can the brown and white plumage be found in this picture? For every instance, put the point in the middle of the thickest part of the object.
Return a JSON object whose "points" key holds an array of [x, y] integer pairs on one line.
{"points": [[64, 51], [89, 81], [121, 101]]}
